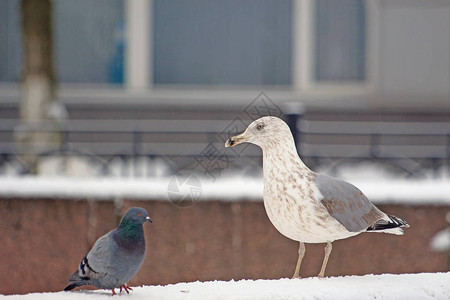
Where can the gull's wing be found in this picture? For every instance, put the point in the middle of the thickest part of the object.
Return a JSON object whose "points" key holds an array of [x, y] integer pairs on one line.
{"points": [[347, 204]]}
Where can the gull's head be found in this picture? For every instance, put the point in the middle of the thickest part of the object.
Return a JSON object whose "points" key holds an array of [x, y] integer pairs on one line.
{"points": [[264, 132]]}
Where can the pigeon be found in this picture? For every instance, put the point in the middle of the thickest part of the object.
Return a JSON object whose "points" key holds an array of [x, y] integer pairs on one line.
{"points": [[306, 206], [115, 257]]}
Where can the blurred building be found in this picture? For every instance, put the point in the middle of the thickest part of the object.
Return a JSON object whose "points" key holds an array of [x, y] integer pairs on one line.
{"points": [[121, 63], [152, 88]]}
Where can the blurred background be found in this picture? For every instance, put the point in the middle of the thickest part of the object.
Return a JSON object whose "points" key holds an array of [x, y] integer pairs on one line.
{"points": [[109, 104]]}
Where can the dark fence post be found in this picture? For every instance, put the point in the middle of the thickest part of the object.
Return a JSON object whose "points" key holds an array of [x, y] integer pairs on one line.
{"points": [[293, 113], [137, 149], [375, 145]]}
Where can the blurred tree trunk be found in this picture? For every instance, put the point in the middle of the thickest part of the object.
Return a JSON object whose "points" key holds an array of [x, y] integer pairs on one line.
{"points": [[36, 132]]}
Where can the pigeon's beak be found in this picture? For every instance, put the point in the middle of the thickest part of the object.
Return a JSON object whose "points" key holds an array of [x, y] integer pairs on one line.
{"points": [[147, 219], [233, 141]]}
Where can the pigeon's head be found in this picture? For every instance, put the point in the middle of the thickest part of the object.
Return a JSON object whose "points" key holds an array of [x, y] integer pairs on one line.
{"points": [[264, 132], [138, 215]]}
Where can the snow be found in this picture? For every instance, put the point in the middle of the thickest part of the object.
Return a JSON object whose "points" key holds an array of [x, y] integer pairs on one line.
{"points": [[407, 191], [387, 286], [441, 241], [230, 188]]}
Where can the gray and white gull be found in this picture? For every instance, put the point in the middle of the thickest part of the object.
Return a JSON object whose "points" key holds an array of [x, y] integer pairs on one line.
{"points": [[306, 206]]}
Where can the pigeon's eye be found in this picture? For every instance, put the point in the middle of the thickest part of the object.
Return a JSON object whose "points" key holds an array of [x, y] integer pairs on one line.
{"points": [[260, 126], [139, 215]]}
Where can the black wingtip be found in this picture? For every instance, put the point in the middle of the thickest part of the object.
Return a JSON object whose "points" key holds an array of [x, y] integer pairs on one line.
{"points": [[394, 222], [399, 222], [71, 287]]}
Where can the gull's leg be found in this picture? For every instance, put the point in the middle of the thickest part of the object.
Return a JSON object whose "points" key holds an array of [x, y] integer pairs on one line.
{"points": [[328, 249], [301, 253]]}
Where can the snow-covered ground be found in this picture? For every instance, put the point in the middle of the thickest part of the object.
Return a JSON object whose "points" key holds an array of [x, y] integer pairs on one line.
{"points": [[407, 286], [225, 188]]}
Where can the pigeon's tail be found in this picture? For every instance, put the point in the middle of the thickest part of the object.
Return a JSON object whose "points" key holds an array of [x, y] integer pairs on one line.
{"points": [[389, 224], [74, 285], [75, 280]]}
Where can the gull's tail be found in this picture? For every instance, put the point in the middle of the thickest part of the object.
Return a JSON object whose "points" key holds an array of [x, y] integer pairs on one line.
{"points": [[389, 224]]}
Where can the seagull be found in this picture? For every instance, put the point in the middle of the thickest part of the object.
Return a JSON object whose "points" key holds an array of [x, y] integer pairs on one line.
{"points": [[306, 206], [115, 257]]}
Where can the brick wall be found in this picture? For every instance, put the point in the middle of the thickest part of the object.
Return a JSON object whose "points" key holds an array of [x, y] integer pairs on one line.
{"points": [[43, 241]]}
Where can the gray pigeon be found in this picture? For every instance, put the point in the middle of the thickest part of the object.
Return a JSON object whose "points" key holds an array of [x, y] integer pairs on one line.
{"points": [[305, 206], [115, 257]]}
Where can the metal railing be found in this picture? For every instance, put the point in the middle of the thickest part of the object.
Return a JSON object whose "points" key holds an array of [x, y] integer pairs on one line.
{"points": [[410, 146]]}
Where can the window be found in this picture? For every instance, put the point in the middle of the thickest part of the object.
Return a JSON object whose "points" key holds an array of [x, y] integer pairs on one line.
{"points": [[235, 42], [302, 44], [89, 40], [340, 40], [10, 41]]}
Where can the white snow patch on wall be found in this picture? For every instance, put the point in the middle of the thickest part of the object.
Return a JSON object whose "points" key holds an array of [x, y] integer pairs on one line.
{"points": [[441, 241]]}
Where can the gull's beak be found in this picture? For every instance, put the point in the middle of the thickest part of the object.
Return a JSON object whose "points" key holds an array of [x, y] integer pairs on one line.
{"points": [[147, 219], [233, 141]]}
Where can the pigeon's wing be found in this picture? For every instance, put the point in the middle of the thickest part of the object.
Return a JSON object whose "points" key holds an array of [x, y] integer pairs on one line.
{"points": [[96, 263], [347, 204], [99, 257]]}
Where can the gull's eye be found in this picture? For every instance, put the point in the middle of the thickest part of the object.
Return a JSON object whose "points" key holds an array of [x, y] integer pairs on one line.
{"points": [[260, 126]]}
